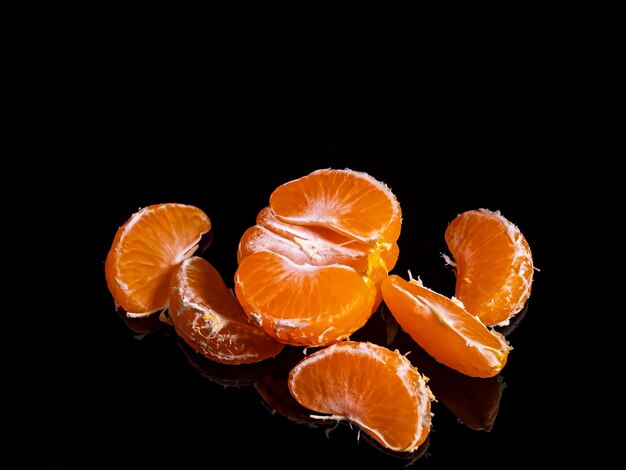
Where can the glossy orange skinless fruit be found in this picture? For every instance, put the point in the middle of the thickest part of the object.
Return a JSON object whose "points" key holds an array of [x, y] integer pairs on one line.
{"points": [[369, 385], [147, 250], [310, 269], [494, 265], [349, 202], [205, 313], [445, 329], [303, 305]]}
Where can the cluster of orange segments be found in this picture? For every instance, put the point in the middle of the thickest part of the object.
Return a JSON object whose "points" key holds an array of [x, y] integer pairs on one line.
{"points": [[311, 272]]}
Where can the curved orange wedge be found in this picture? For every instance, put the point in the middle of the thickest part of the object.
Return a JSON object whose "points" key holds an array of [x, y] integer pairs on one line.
{"points": [[494, 265], [208, 317], [303, 305], [444, 329], [346, 201], [369, 385]]}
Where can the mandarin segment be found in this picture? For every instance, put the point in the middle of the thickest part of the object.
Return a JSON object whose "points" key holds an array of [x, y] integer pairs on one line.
{"points": [[346, 201], [207, 316], [444, 329], [303, 305], [369, 385], [146, 251], [494, 265]]}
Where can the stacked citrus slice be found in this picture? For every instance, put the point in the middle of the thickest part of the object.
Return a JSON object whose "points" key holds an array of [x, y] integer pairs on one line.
{"points": [[310, 269]]}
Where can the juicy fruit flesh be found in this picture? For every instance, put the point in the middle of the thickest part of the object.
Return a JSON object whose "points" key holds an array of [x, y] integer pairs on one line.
{"points": [[209, 318], [146, 251], [351, 203], [303, 305], [493, 265], [374, 387], [444, 329], [317, 246], [332, 237]]}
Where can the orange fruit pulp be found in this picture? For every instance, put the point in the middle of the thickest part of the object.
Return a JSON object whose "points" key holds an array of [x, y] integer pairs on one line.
{"points": [[369, 385], [205, 313], [147, 250], [445, 329], [493, 264], [310, 269]]}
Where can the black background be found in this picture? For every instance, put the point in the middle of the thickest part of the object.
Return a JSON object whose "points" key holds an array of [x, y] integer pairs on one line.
{"points": [[108, 398]]}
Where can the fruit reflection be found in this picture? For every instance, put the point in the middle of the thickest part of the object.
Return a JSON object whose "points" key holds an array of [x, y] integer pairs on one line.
{"points": [[380, 329], [409, 457], [225, 374], [514, 322], [275, 393], [140, 326], [474, 401]]}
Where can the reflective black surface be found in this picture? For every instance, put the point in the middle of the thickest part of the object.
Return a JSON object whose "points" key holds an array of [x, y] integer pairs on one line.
{"points": [[111, 392]]}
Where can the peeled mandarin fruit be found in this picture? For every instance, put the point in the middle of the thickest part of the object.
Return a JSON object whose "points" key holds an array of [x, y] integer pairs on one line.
{"points": [[207, 316], [445, 329], [493, 263], [369, 385]]}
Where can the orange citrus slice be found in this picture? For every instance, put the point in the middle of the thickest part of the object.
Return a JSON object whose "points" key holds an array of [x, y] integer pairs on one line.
{"points": [[494, 265], [146, 251], [369, 385], [349, 202], [303, 305], [207, 316], [445, 329]]}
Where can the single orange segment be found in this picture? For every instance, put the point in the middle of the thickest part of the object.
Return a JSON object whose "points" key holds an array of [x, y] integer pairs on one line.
{"points": [[445, 329], [369, 385], [207, 316], [303, 305], [494, 265], [349, 202], [146, 251]]}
